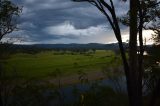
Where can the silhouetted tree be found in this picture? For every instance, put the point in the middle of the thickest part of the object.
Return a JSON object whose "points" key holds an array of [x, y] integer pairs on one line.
{"points": [[133, 68], [8, 14], [148, 12]]}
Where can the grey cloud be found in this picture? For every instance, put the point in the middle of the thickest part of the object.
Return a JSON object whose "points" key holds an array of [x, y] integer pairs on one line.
{"points": [[41, 14]]}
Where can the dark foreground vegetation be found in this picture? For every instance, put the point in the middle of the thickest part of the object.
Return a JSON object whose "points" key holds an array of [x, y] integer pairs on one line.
{"points": [[22, 85]]}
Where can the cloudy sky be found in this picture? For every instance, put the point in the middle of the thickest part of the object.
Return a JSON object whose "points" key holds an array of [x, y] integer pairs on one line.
{"points": [[64, 21]]}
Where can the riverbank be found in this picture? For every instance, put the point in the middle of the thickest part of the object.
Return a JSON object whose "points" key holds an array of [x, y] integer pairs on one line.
{"points": [[74, 79]]}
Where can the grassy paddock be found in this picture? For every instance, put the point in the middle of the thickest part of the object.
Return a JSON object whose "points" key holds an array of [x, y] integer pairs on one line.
{"points": [[47, 63]]}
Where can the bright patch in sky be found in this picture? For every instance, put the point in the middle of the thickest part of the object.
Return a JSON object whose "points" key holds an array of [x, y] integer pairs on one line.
{"points": [[68, 29], [147, 35]]}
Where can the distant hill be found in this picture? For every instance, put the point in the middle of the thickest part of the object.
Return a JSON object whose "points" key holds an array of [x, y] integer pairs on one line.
{"points": [[98, 46]]}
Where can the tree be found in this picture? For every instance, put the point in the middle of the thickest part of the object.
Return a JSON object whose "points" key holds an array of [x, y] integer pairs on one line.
{"points": [[155, 26], [8, 14], [148, 12], [153, 75], [134, 67]]}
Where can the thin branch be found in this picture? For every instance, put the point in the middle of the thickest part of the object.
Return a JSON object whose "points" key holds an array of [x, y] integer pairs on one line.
{"points": [[112, 4], [106, 5], [153, 5]]}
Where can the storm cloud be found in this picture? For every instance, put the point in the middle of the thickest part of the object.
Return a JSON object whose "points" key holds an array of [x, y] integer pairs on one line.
{"points": [[64, 21]]}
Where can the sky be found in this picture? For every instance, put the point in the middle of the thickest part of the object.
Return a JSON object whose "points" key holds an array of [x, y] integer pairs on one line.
{"points": [[64, 21]]}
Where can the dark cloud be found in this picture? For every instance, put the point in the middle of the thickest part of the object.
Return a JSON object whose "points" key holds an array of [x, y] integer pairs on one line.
{"points": [[40, 15]]}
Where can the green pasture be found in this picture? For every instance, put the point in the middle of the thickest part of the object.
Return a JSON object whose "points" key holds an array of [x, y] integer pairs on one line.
{"points": [[45, 64]]}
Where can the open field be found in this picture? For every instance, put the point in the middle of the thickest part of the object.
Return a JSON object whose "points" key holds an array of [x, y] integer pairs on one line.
{"points": [[50, 63]]}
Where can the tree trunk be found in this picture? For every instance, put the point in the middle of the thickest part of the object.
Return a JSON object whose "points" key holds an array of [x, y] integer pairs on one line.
{"points": [[123, 55], [140, 55], [1, 102], [133, 59]]}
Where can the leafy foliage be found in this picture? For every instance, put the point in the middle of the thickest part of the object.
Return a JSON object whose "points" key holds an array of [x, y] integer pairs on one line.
{"points": [[8, 13]]}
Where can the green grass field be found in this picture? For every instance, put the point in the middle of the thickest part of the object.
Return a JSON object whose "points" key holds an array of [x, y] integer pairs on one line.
{"points": [[46, 63]]}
